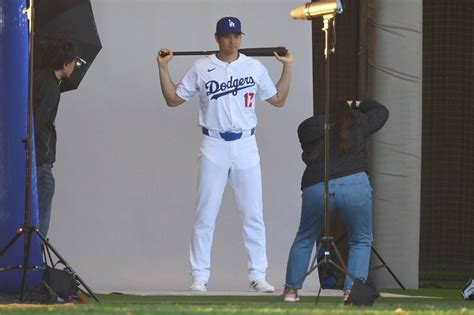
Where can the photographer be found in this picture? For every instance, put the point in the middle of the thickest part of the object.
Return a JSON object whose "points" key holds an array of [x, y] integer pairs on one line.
{"points": [[350, 193], [58, 64]]}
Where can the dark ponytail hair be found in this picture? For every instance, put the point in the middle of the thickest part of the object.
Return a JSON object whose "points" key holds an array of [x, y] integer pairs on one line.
{"points": [[340, 117]]}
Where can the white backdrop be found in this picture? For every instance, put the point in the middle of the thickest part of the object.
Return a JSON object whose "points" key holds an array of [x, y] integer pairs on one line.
{"points": [[127, 164]]}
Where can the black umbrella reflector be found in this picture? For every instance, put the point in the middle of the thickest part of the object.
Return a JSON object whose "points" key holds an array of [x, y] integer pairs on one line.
{"points": [[71, 19]]}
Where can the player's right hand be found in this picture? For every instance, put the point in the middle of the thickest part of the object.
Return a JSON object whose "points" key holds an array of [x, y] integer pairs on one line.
{"points": [[164, 55]]}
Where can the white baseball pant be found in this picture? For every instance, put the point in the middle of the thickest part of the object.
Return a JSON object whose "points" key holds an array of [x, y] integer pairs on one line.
{"points": [[238, 162]]}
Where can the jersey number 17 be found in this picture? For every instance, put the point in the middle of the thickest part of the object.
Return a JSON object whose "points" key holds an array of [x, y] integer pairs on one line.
{"points": [[249, 99]]}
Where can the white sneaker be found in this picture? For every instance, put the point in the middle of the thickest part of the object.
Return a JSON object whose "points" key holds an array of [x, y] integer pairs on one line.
{"points": [[261, 286], [198, 286], [468, 291]]}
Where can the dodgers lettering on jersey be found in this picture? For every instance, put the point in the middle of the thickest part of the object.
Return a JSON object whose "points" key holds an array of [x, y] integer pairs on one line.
{"points": [[232, 86], [227, 91]]}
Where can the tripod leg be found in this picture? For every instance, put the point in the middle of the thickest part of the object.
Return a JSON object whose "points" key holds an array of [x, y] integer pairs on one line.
{"points": [[341, 261], [317, 297], [315, 260], [64, 262], [26, 260], [338, 255], [342, 269], [388, 268], [47, 255], [314, 263], [11, 242]]}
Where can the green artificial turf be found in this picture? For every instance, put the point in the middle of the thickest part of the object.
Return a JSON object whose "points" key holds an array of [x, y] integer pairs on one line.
{"points": [[446, 302]]}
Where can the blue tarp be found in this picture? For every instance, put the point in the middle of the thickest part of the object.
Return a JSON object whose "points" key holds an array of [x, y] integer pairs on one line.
{"points": [[14, 73]]}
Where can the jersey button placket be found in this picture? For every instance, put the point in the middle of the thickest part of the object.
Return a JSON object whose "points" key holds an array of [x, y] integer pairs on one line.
{"points": [[230, 99]]}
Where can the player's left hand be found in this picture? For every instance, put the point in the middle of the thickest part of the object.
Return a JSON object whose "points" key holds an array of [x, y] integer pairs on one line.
{"points": [[288, 58]]}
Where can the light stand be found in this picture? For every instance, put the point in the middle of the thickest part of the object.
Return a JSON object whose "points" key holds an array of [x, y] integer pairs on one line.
{"points": [[327, 241], [27, 229]]}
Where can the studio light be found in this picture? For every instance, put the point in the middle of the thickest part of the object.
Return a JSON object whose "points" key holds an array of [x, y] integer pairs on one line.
{"points": [[311, 10]]}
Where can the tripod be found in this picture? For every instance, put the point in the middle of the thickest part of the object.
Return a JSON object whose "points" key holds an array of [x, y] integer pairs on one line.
{"points": [[27, 229]]}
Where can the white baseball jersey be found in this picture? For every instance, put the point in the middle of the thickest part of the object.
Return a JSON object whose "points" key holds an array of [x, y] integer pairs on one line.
{"points": [[227, 91]]}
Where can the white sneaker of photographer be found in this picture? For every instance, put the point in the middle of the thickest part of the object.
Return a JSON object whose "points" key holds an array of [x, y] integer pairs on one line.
{"points": [[198, 286], [261, 286]]}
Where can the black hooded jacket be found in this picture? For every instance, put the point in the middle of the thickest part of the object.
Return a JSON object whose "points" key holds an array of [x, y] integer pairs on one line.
{"points": [[369, 118], [46, 97]]}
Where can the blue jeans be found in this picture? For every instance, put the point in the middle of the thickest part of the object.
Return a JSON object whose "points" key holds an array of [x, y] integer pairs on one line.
{"points": [[45, 184], [351, 199]]}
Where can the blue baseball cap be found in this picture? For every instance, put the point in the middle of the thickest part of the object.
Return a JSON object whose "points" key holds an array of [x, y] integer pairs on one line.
{"points": [[228, 25]]}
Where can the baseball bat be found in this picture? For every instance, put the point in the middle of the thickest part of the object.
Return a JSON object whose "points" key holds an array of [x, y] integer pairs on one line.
{"points": [[253, 52]]}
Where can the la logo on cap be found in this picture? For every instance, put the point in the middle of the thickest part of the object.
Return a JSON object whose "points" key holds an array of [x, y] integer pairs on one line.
{"points": [[228, 24]]}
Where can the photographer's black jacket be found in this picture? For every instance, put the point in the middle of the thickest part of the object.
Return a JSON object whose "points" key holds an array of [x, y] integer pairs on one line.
{"points": [[369, 118], [46, 97]]}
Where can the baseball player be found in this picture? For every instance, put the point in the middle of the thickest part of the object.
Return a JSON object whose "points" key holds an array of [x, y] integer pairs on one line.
{"points": [[228, 84]]}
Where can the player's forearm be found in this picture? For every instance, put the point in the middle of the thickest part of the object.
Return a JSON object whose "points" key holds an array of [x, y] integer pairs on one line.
{"points": [[283, 85], [168, 88]]}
